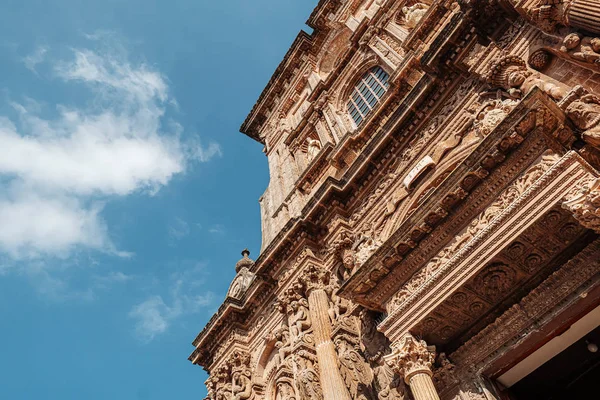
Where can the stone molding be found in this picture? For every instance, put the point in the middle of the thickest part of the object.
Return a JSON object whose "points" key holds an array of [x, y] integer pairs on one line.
{"points": [[532, 312], [547, 191]]}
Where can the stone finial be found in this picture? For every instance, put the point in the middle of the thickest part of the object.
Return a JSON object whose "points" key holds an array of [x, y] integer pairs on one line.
{"points": [[244, 277], [246, 261]]}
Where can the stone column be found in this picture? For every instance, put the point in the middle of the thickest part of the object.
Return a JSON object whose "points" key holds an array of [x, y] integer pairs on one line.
{"points": [[583, 14], [315, 281], [413, 360]]}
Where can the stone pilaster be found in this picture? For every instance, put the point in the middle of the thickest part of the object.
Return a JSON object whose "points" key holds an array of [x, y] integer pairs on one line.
{"points": [[413, 360], [315, 281]]}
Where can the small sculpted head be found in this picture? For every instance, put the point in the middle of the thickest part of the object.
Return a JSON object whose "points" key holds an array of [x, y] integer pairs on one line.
{"points": [[571, 41], [516, 78], [595, 42]]}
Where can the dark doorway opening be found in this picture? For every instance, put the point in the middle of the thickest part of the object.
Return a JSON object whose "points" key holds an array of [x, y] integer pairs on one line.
{"points": [[571, 374]]}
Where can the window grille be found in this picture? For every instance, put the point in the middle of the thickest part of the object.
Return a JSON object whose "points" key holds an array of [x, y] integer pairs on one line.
{"points": [[367, 93]]}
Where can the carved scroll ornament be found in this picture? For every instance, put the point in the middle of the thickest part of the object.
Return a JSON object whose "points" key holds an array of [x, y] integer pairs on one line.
{"points": [[585, 206]]}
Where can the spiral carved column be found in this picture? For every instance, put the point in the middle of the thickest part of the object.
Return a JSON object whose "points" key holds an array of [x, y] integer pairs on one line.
{"points": [[412, 360]]}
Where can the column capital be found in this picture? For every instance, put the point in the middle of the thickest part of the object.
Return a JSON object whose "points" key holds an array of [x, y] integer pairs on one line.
{"points": [[315, 277], [585, 206], [410, 356]]}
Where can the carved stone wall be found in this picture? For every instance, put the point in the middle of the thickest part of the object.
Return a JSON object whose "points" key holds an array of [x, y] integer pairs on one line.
{"points": [[411, 253]]}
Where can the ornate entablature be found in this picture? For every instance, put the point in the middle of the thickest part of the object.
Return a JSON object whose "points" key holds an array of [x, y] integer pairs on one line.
{"points": [[434, 178]]}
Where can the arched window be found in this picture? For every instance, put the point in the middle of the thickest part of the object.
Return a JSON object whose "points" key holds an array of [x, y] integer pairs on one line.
{"points": [[366, 93]]}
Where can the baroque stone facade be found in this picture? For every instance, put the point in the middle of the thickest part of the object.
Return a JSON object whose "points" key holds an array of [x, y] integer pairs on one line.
{"points": [[433, 212]]}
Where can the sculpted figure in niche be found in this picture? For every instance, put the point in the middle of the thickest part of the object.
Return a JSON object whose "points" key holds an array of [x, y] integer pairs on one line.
{"points": [[282, 344], [414, 14], [337, 308], [223, 387], [309, 386], [349, 262], [313, 148], [299, 319], [225, 392], [582, 48], [355, 371], [511, 74], [241, 386], [285, 391], [366, 245], [375, 345], [585, 114]]}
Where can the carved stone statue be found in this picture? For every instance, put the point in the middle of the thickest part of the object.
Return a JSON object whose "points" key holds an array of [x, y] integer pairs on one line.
{"points": [[241, 386], [366, 245], [221, 384], [585, 206], [299, 319], [309, 386], [386, 382], [349, 262], [585, 114], [337, 308], [354, 369], [582, 48], [511, 74], [413, 14], [283, 345], [313, 148], [285, 391], [241, 377], [491, 114]]}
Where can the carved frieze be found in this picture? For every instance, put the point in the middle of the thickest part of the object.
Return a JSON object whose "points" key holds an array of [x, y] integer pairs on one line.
{"points": [[446, 176]]}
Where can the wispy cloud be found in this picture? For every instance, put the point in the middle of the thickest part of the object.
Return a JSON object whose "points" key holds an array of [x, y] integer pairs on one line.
{"points": [[217, 229], [178, 229], [110, 279], [56, 174], [185, 296], [56, 288], [37, 57]]}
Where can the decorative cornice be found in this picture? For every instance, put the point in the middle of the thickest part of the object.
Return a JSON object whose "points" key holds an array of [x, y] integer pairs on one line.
{"points": [[529, 314], [549, 188]]}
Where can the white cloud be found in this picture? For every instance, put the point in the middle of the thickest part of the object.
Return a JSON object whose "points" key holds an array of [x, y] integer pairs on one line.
{"points": [[153, 316], [57, 173], [31, 225], [56, 288], [217, 229], [35, 58], [113, 277]]}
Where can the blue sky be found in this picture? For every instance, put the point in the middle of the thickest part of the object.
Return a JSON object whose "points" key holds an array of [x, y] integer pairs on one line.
{"points": [[126, 191]]}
